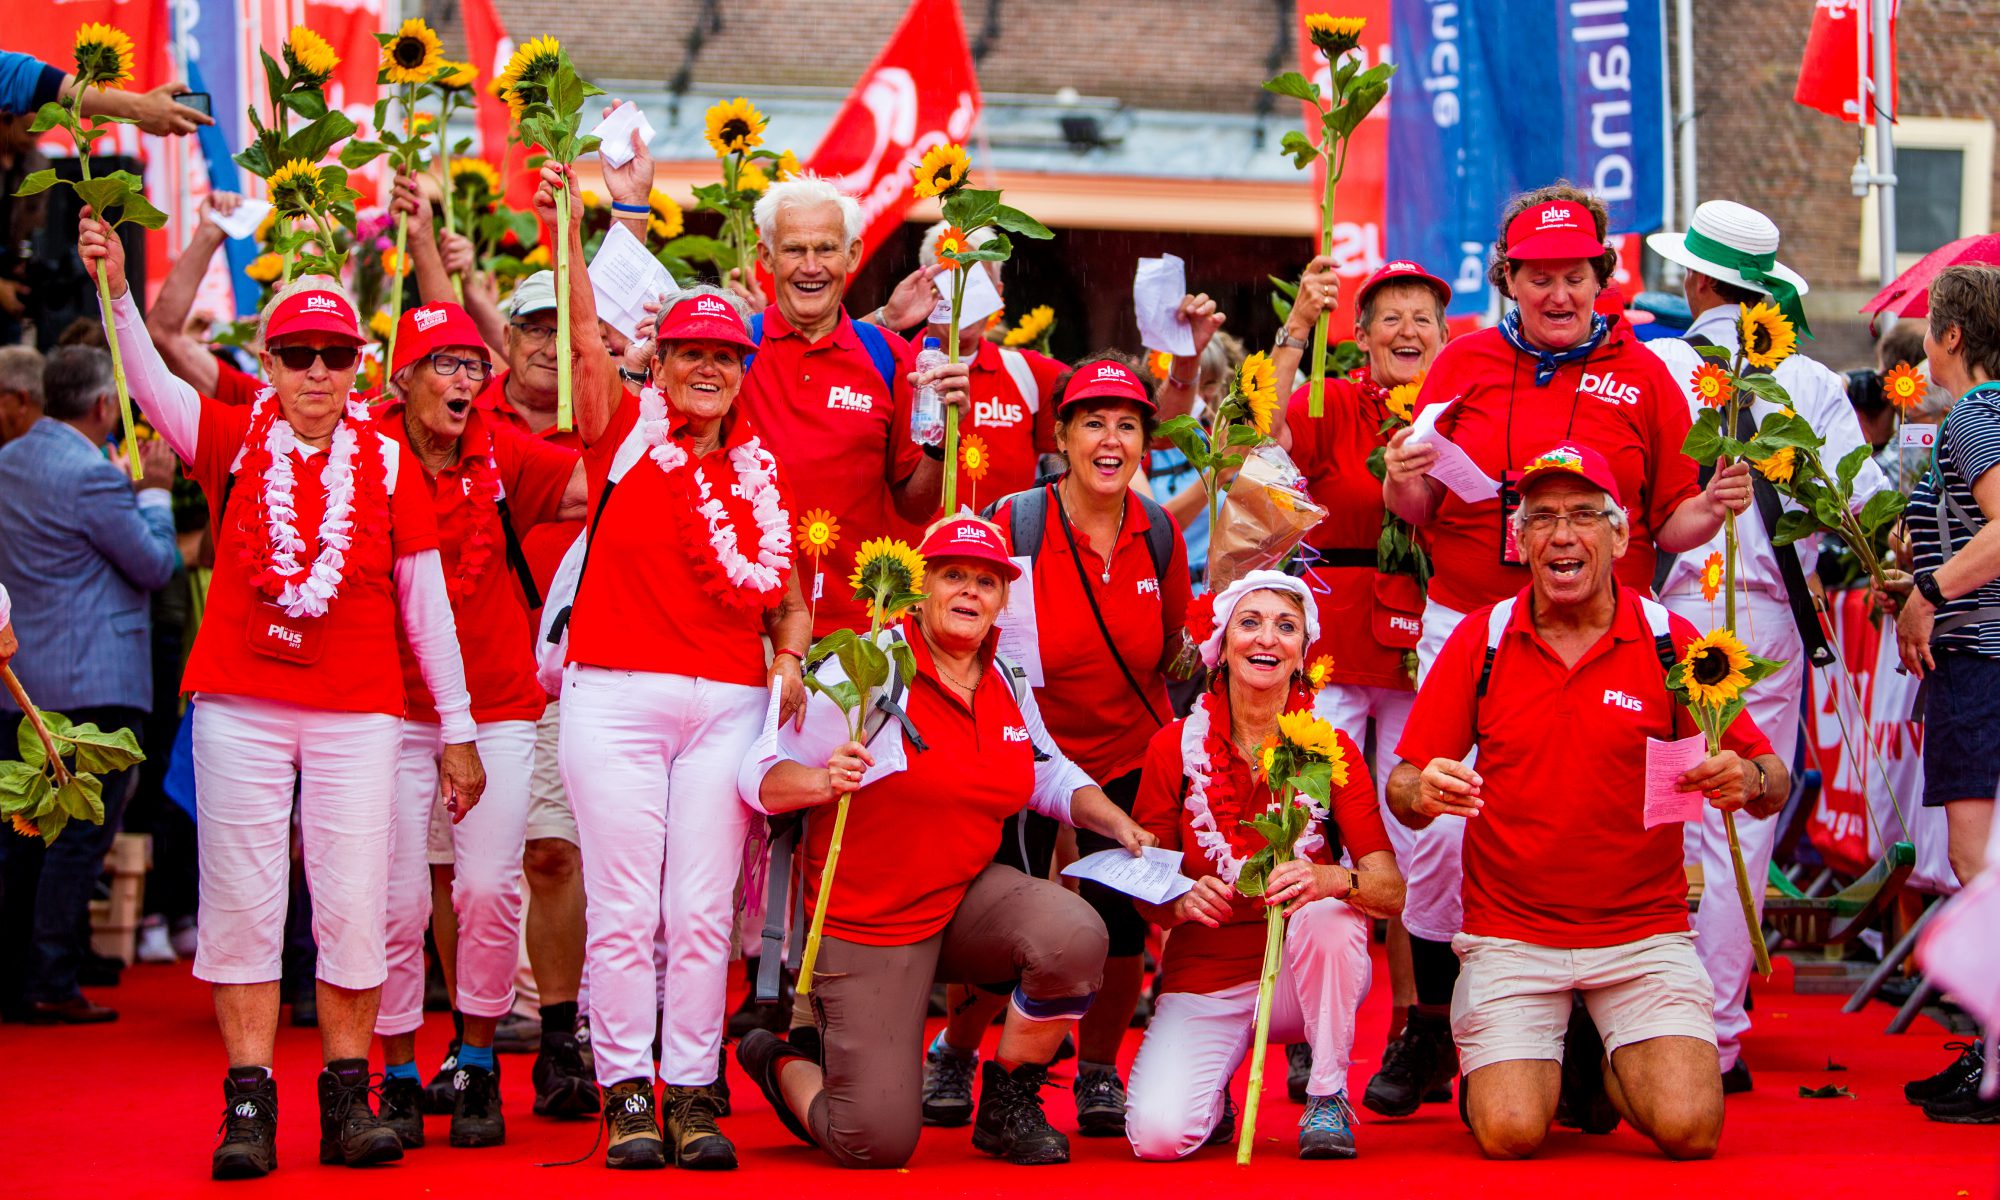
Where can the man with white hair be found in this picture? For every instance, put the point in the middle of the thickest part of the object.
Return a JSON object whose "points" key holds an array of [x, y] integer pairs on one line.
{"points": [[1730, 253]]}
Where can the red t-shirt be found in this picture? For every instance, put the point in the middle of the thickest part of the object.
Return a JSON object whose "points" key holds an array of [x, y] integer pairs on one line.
{"points": [[642, 605], [1015, 434], [915, 840], [1332, 450], [233, 387], [1200, 959], [1088, 707], [494, 636], [1559, 856], [356, 670], [545, 544], [843, 437], [1621, 401]]}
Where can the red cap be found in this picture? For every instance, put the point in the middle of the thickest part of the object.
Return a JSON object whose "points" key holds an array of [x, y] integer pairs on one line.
{"points": [[1402, 270], [1571, 459], [432, 327], [705, 318], [314, 312], [965, 537], [1556, 230], [1113, 380]]}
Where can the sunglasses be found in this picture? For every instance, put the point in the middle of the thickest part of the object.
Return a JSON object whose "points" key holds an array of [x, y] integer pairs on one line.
{"points": [[300, 358]]}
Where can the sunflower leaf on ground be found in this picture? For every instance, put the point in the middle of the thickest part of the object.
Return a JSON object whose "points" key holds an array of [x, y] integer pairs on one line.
{"points": [[1831, 1091]]}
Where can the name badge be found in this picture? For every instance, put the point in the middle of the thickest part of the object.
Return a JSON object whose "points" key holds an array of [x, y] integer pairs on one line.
{"points": [[1510, 500], [274, 634], [1917, 437]]}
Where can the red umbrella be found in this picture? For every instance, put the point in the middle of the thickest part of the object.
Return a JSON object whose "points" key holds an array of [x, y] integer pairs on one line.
{"points": [[1909, 294]]}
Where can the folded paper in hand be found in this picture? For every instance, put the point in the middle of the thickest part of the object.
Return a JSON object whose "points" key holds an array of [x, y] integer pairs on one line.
{"points": [[1453, 468], [1158, 287], [1155, 877], [1666, 762], [624, 276], [616, 133], [244, 221], [982, 299]]}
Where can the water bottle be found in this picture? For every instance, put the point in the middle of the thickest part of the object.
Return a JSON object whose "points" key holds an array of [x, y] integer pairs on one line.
{"points": [[927, 414]]}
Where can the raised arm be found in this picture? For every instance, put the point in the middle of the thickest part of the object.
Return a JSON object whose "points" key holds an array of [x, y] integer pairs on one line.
{"points": [[167, 322], [1177, 395], [594, 384], [169, 403], [420, 239]]}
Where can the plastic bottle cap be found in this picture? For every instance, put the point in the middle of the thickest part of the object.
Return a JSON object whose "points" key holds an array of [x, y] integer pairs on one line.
{"points": [[930, 343]]}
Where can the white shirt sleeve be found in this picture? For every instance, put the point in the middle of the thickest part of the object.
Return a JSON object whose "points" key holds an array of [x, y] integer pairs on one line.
{"points": [[1057, 779], [173, 407], [433, 634], [1833, 418], [764, 755]]}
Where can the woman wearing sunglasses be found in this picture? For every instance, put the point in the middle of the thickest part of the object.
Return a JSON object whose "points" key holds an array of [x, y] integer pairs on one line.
{"points": [[488, 483], [321, 560]]}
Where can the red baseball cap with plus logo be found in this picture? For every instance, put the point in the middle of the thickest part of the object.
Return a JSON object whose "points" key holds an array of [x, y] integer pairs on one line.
{"points": [[324, 312], [1106, 380], [1555, 230], [1571, 459], [966, 538], [705, 318], [1402, 270], [428, 328]]}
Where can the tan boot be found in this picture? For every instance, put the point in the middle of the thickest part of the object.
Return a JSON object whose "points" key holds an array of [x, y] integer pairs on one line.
{"points": [[698, 1144], [634, 1128]]}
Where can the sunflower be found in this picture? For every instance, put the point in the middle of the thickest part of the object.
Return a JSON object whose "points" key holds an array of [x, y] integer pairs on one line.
{"points": [[103, 56], [476, 178], [590, 199], [733, 127], [667, 220], [1160, 364], [752, 179], [297, 189], [380, 325], [885, 570], [1715, 664], [1308, 733], [1402, 399], [788, 166], [1779, 467], [819, 531], [309, 58], [265, 268], [457, 76], [413, 55], [942, 171], [1320, 672], [1334, 36], [421, 122], [23, 825], [1904, 386], [1267, 755], [1035, 325], [537, 258], [951, 241], [525, 80], [391, 263], [1711, 577], [1768, 338], [1257, 383], [973, 457], [1711, 384]]}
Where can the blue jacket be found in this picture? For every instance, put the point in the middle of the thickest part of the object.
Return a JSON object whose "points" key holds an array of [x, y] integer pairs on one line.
{"points": [[26, 83], [81, 555]]}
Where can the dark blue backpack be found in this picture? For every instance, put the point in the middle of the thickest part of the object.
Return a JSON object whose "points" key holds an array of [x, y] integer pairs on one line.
{"points": [[873, 340]]}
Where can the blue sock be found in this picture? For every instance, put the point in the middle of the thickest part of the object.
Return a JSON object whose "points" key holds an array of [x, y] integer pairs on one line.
{"points": [[406, 1070], [476, 1056]]}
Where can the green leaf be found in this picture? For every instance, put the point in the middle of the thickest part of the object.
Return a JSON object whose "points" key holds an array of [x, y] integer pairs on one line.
{"points": [[1299, 147], [1850, 466], [51, 824], [1881, 510], [82, 798], [972, 208], [1715, 354], [1793, 525], [309, 104], [1764, 387], [831, 645], [103, 194], [99, 752], [1293, 84], [1316, 781], [274, 74], [1344, 356], [358, 154], [37, 183], [1243, 435], [1704, 441], [1013, 220], [312, 142], [15, 779], [51, 115], [842, 693]]}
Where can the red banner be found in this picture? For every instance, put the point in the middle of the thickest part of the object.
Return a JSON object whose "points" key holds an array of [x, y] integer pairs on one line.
{"points": [[921, 91], [1360, 204], [1839, 55]]}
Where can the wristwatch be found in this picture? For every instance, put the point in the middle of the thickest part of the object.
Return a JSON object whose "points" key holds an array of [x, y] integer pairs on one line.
{"points": [[1353, 884], [1287, 342], [1927, 586]]}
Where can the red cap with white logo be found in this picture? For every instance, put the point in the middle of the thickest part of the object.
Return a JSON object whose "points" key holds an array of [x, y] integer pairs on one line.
{"points": [[325, 312], [1557, 230], [1106, 380], [1402, 270], [1571, 459], [966, 538], [705, 318], [428, 328]]}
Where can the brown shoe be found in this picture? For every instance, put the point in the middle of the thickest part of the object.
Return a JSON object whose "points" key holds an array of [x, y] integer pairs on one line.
{"points": [[698, 1143], [634, 1128], [74, 1011]]}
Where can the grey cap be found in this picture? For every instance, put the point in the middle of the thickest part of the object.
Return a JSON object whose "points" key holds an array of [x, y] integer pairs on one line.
{"points": [[536, 293]]}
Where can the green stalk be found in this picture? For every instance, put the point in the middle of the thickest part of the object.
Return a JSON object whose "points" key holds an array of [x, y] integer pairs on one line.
{"points": [[1743, 893], [450, 193], [860, 719], [1316, 397], [1274, 944], [565, 418], [396, 293], [951, 410], [104, 310]]}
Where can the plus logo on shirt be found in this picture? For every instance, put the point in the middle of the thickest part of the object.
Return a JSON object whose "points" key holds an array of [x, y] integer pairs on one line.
{"points": [[1606, 387], [1015, 733], [997, 414], [1149, 586], [1617, 699], [846, 399]]}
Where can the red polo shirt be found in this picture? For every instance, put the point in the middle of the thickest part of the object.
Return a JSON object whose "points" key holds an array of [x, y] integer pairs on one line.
{"points": [[915, 840], [1559, 856], [843, 437], [545, 544], [1621, 401], [1089, 708], [1016, 432], [1332, 450], [494, 636], [641, 605], [233, 387], [1200, 959], [356, 670]]}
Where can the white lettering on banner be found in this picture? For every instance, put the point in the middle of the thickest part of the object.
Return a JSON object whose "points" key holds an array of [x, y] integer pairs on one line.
{"points": [[1618, 699], [1357, 248], [847, 399], [890, 96], [1607, 388], [1441, 80], [993, 412], [1149, 586], [1015, 733], [1611, 172], [1471, 268]]}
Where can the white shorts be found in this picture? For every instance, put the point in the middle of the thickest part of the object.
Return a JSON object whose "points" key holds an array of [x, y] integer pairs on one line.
{"points": [[548, 805]]}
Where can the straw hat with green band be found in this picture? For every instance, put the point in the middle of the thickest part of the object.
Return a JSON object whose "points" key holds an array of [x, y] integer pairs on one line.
{"points": [[1737, 244]]}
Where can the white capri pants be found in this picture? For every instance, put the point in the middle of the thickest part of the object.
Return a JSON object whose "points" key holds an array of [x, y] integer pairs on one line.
{"points": [[486, 881], [248, 755], [1348, 708], [1197, 1040], [1434, 902], [649, 761]]}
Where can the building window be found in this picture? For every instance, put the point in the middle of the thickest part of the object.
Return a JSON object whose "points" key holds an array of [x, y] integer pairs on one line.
{"points": [[1944, 188]]}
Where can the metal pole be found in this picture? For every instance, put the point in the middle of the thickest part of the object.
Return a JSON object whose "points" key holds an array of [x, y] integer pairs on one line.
{"points": [[1690, 194], [1882, 98]]}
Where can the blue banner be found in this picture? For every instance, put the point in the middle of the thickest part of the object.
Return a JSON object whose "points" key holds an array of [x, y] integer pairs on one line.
{"points": [[209, 36]]}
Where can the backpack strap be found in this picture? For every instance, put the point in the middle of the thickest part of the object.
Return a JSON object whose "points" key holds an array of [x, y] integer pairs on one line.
{"points": [[1027, 516], [873, 340], [1023, 376], [756, 327], [1659, 625], [515, 558], [1496, 625], [1017, 678], [1160, 536]]}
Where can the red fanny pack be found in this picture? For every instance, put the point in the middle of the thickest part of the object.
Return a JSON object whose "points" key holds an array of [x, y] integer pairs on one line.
{"points": [[274, 634], [1396, 612]]}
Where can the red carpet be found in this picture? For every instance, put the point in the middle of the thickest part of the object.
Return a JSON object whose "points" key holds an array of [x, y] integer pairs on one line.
{"points": [[134, 1107]]}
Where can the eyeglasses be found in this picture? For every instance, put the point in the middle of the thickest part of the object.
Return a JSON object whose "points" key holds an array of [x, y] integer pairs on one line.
{"points": [[1583, 520], [476, 369], [533, 335], [300, 358]]}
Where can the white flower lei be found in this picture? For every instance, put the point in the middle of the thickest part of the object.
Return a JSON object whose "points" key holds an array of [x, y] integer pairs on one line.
{"points": [[310, 596], [756, 475], [1213, 842]]}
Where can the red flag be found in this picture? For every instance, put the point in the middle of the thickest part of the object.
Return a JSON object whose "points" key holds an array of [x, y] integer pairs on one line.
{"points": [[1361, 203], [489, 48], [1839, 55], [921, 91]]}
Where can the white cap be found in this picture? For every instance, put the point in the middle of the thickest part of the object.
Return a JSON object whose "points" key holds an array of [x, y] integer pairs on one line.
{"points": [[536, 293], [1257, 581]]}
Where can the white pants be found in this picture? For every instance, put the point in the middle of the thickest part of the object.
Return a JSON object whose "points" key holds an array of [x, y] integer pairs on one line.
{"points": [[249, 754], [649, 761], [1349, 708], [486, 874], [1196, 1041], [1434, 901], [1723, 941]]}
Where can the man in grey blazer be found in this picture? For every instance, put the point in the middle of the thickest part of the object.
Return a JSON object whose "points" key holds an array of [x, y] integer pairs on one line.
{"points": [[82, 549]]}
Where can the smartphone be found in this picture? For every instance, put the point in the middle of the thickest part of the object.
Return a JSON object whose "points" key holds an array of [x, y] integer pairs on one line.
{"points": [[197, 101]]}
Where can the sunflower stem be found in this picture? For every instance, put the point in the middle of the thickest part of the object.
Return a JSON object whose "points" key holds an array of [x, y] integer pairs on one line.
{"points": [[858, 727], [1267, 981], [1743, 893], [1316, 396], [450, 204], [951, 410], [565, 419], [396, 292]]}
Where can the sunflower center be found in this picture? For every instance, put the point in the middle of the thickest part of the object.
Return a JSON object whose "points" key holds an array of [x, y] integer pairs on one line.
{"points": [[735, 129], [409, 53], [1710, 667]]}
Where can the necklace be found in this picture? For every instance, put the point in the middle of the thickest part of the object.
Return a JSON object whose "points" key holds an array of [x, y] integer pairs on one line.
{"points": [[937, 661], [1110, 551], [729, 572]]}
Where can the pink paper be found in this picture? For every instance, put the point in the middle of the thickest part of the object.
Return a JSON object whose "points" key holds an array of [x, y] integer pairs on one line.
{"points": [[1666, 762]]}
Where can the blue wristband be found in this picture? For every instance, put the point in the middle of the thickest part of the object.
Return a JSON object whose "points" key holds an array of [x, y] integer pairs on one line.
{"points": [[637, 210]]}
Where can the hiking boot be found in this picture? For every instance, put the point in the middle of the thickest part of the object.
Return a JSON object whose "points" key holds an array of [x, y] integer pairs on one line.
{"points": [[1736, 1080], [761, 1053], [563, 1088], [350, 1134], [1326, 1130], [403, 1110], [634, 1130], [1962, 1105], [475, 1118], [948, 1086], [1100, 1103], [1225, 1126], [1947, 1081], [720, 1088], [698, 1144], [1583, 1103], [440, 1095], [1411, 1064], [1298, 1070], [249, 1146], [1010, 1123]]}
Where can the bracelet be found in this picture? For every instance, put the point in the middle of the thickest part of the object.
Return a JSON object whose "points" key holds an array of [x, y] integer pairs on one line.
{"points": [[637, 210], [786, 650], [881, 316], [1177, 381]]}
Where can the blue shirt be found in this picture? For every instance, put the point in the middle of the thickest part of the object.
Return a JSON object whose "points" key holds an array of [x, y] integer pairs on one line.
{"points": [[27, 83], [1168, 474]]}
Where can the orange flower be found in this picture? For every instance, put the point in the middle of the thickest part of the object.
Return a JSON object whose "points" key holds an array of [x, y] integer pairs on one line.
{"points": [[1711, 577], [1160, 363], [973, 457], [1904, 386], [951, 241], [1711, 383], [23, 825], [818, 532]]}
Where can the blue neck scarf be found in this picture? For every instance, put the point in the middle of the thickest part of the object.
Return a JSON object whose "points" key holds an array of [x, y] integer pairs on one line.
{"points": [[1546, 361]]}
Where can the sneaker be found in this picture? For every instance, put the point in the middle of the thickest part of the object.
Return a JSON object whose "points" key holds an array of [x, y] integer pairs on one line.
{"points": [[1947, 1081], [403, 1110], [948, 1086], [1736, 1080], [249, 1146], [183, 937], [516, 1034], [1326, 1130], [699, 1145], [154, 945], [1963, 1105], [350, 1133], [440, 1094], [1583, 1103], [476, 1119], [1100, 1103], [760, 1054], [1410, 1063], [635, 1131], [1010, 1123], [563, 1087], [1225, 1128], [1298, 1070]]}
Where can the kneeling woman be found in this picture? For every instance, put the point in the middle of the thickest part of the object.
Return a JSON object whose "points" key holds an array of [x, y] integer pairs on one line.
{"points": [[918, 896], [1198, 786]]}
